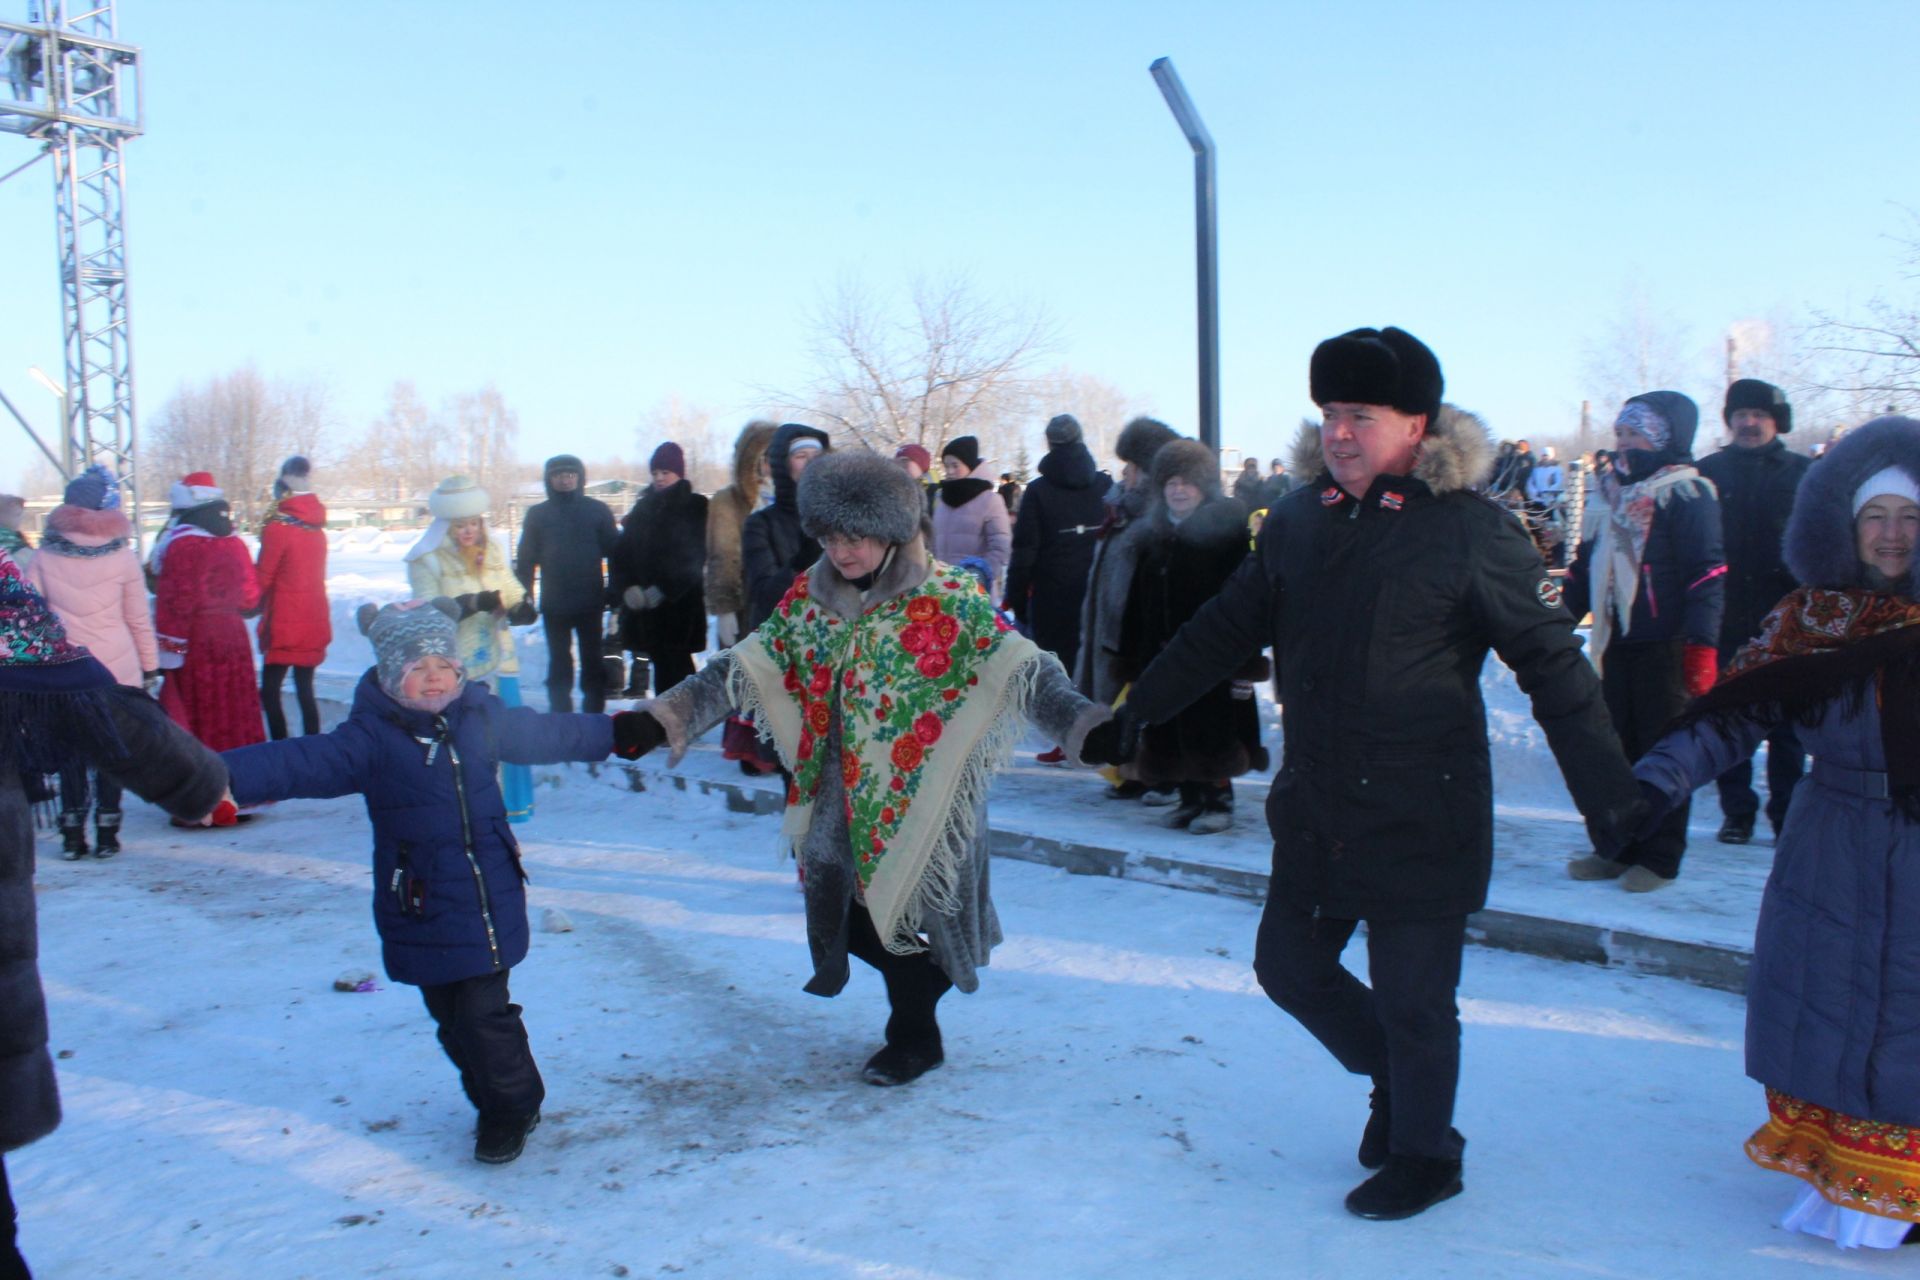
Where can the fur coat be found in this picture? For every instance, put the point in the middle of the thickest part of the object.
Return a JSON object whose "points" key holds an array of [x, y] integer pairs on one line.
{"points": [[727, 512]]}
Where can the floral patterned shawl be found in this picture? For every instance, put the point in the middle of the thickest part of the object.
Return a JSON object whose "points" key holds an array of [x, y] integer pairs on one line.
{"points": [[929, 687]]}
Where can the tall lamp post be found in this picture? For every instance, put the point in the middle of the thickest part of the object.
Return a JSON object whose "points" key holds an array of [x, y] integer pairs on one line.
{"points": [[1206, 237]]}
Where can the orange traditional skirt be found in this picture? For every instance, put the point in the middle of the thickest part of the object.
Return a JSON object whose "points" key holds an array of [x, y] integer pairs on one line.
{"points": [[1864, 1165]]}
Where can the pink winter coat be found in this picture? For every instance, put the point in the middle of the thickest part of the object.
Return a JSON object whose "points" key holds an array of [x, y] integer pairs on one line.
{"points": [[100, 599], [969, 519]]}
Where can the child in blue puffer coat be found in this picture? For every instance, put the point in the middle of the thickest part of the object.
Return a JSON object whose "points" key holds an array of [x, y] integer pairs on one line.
{"points": [[423, 747]]}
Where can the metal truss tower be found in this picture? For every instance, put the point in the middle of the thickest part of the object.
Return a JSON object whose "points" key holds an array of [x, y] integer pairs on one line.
{"points": [[72, 86]]}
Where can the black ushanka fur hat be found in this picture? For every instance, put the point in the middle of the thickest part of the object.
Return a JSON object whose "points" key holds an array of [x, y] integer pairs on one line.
{"points": [[1377, 366], [1192, 461], [1141, 439], [859, 494], [1751, 393]]}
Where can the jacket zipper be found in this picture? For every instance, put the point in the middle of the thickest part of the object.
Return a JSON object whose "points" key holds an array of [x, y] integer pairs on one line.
{"points": [[466, 840]]}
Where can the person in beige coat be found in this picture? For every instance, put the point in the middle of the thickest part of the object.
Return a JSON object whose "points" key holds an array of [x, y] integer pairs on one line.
{"points": [[460, 558]]}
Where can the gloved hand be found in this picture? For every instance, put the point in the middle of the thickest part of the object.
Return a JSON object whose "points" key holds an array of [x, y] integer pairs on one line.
{"points": [[1114, 741], [1655, 813], [641, 599], [469, 605], [1700, 667], [726, 629], [150, 681], [523, 614], [486, 602], [223, 814], [635, 733]]}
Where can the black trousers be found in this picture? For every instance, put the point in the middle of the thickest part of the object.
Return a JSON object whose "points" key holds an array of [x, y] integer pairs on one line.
{"points": [[12, 1265], [481, 1031], [1786, 764], [1403, 1031], [562, 631], [670, 667], [271, 674], [74, 795], [914, 983], [1645, 688]]}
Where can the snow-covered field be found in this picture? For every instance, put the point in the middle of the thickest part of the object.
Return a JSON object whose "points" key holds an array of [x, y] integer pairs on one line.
{"points": [[1119, 1098]]}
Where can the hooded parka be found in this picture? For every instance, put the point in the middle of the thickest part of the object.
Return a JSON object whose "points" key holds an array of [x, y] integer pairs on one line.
{"points": [[295, 623], [566, 539], [1060, 518], [663, 543], [774, 548]]}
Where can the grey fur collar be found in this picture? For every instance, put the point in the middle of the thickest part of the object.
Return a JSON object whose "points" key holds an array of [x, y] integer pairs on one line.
{"points": [[1456, 454], [1820, 547], [907, 570]]}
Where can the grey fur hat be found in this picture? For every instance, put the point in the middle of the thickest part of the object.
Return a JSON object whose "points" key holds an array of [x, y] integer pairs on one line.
{"points": [[404, 633], [1192, 461], [1820, 546], [859, 494], [1141, 439]]}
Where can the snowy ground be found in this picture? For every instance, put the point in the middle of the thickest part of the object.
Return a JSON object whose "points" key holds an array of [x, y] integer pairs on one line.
{"points": [[1119, 1098]]}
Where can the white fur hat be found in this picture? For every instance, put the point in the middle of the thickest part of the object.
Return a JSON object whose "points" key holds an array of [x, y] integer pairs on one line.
{"points": [[456, 498]]}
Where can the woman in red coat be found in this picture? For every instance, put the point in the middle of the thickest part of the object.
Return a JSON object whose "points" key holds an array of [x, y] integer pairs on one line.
{"points": [[295, 626], [204, 582]]}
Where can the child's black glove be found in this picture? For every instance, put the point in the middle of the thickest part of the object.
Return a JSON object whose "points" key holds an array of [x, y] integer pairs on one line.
{"points": [[1115, 741], [635, 733], [523, 614]]}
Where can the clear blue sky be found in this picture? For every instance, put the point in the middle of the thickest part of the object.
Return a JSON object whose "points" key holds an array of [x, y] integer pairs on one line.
{"points": [[597, 205]]}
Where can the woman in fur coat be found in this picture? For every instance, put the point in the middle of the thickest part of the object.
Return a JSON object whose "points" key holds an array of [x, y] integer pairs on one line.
{"points": [[1191, 542], [891, 691], [1833, 997], [296, 625], [204, 587], [90, 577], [655, 571], [460, 558]]}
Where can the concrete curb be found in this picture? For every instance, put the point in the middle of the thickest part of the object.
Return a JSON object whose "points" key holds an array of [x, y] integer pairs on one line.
{"points": [[1703, 964]]}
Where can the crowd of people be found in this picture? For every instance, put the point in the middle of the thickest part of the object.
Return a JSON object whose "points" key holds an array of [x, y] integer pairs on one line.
{"points": [[881, 639]]}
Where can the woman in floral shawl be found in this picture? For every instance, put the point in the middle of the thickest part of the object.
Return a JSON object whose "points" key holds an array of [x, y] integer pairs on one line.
{"points": [[891, 691], [1833, 1002]]}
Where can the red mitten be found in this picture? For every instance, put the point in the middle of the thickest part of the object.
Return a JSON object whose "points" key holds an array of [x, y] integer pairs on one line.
{"points": [[225, 814], [1700, 667]]}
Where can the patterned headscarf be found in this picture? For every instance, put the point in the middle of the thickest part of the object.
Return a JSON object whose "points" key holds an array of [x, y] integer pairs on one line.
{"points": [[52, 691], [1638, 415]]}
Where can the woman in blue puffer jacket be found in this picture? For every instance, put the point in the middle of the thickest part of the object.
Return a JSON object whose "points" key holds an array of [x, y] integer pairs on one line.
{"points": [[1833, 1001], [422, 745]]}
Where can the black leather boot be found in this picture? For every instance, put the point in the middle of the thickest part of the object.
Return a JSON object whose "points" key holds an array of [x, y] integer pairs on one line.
{"points": [[1737, 829], [1405, 1186], [1379, 1132]]}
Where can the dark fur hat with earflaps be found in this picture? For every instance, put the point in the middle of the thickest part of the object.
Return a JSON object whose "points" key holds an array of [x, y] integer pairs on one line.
{"points": [[859, 494]]}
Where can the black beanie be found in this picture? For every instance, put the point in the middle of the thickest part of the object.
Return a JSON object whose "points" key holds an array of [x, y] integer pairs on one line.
{"points": [[965, 448], [1377, 366], [1751, 393]]}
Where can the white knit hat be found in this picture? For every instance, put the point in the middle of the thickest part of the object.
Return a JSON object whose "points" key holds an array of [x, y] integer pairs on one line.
{"points": [[458, 497], [1888, 481]]}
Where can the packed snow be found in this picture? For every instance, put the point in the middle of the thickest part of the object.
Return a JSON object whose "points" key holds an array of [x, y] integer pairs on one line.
{"points": [[1119, 1098]]}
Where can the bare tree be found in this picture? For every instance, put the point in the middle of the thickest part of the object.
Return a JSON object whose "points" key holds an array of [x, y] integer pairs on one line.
{"points": [[1643, 348], [691, 427], [1874, 356], [1101, 407], [483, 430], [240, 426], [951, 362]]}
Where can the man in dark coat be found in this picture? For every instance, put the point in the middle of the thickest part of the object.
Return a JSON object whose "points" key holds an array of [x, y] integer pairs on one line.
{"points": [[1381, 587], [1279, 483], [564, 540], [59, 708], [773, 547], [1757, 477], [656, 572], [1654, 578], [1053, 539]]}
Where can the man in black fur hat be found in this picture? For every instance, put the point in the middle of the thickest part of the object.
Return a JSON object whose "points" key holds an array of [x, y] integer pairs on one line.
{"points": [[1381, 586], [1757, 476]]}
